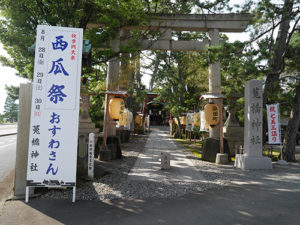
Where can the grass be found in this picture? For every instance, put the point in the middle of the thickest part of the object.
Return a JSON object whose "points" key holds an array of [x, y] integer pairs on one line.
{"points": [[193, 150], [186, 143], [275, 154]]}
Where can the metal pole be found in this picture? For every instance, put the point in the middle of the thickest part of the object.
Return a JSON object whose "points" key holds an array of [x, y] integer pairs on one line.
{"points": [[27, 195], [74, 194]]}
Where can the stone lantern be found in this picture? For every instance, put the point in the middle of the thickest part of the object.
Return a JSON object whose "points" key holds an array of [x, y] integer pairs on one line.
{"points": [[86, 126]]}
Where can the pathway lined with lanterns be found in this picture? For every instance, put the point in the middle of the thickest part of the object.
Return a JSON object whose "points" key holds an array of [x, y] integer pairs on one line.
{"points": [[148, 165]]}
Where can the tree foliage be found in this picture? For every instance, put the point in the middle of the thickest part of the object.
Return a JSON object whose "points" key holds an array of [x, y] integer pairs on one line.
{"points": [[271, 53], [10, 109], [12, 92]]}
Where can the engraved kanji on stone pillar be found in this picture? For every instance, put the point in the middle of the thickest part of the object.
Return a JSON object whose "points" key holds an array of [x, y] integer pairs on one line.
{"points": [[252, 157]]}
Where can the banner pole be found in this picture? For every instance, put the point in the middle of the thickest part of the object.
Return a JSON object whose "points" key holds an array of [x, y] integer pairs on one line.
{"points": [[27, 195], [74, 194]]}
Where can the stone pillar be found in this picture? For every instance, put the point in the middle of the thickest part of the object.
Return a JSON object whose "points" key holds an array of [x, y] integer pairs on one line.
{"points": [[233, 132], [214, 81], [112, 84], [23, 140], [112, 81], [126, 78], [252, 157], [86, 126]]}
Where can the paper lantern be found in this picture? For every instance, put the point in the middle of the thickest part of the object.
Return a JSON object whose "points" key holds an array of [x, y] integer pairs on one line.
{"points": [[197, 119], [211, 112], [138, 120], [116, 108], [183, 120], [176, 121], [124, 116]]}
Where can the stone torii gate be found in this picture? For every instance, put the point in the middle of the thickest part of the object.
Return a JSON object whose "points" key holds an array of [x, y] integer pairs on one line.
{"points": [[211, 23]]}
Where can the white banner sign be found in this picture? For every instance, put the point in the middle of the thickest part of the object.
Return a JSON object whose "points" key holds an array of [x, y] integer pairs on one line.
{"points": [[273, 124], [52, 152], [203, 126], [91, 154], [189, 122]]}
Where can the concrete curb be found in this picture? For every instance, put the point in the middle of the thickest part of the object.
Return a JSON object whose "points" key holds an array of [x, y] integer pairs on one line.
{"points": [[3, 135]]}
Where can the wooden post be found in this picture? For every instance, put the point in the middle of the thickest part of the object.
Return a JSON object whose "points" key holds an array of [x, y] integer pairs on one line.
{"points": [[221, 127], [105, 122], [106, 117]]}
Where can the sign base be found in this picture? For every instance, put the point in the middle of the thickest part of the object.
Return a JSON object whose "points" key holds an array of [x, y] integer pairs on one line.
{"points": [[27, 194], [252, 163], [282, 162]]}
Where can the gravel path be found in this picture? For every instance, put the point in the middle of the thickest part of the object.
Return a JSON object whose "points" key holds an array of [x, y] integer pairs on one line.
{"points": [[115, 185]]}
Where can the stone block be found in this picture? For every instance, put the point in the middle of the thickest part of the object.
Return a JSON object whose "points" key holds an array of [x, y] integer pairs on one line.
{"points": [[105, 155], [211, 148], [113, 149], [252, 157], [250, 163], [23, 140], [222, 158], [165, 160]]}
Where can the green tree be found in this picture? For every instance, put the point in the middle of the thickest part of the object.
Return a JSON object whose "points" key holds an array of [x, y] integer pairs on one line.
{"points": [[292, 82], [264, 57], [284, 18], [20, 19], [12, 92], [10, 109]]}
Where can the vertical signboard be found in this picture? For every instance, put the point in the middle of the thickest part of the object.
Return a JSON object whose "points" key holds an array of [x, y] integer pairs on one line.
{"points": [[52, 151], [203, 125], [273, 124], [253, 118], [91, 152], [189, 122]]}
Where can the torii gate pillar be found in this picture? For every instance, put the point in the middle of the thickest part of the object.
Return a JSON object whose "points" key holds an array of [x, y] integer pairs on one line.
{"points": [[214, 81]]}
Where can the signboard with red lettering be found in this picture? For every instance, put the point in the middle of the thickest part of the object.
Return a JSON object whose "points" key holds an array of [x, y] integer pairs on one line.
{"points": [[52, 152], [273, 124]]}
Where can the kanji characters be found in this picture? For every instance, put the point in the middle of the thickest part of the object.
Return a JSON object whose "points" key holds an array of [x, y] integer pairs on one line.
{"points": [[59, 44], [56, 94], [36, 129], [57, 67]]}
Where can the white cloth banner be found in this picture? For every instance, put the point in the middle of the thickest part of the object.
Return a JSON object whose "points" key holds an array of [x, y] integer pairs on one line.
{"points": [[52, 152], [203, 126], [189, 122], [273, 124]]}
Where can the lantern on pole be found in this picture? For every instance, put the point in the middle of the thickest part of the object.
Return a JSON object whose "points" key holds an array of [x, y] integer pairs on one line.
{"points": [[138, 120], [211, 112], [176, 121], [183, 120], [197, 119], [116, 108]]}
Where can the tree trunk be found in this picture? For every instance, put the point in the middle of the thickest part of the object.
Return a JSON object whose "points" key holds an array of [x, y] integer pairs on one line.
{"points": [[180, 81], [178, 133], [289, 143], [277, 61]]}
